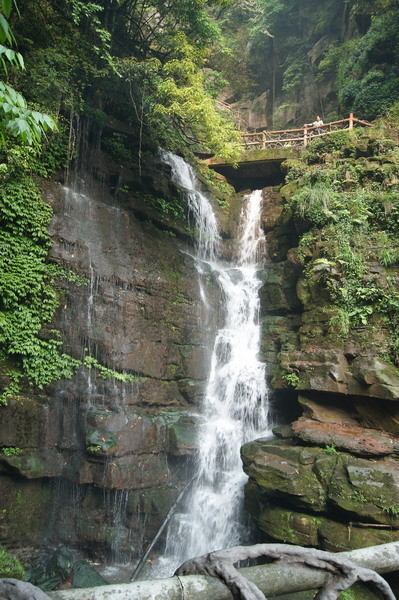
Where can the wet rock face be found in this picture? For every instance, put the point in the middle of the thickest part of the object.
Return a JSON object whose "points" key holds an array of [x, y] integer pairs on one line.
{"points": [[139, 312], [331, 478]]}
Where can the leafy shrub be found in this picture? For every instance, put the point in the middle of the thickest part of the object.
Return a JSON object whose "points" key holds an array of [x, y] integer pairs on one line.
{"points": [[291, 379], [320, 146], [117, 147]]}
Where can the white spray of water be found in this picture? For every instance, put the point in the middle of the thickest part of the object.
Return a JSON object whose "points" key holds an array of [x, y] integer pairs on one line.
{"points": [[235, 405]]}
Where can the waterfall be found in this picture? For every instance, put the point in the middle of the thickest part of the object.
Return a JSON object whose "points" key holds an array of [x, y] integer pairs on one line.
{"points": [[200, 208], [235, 403]]}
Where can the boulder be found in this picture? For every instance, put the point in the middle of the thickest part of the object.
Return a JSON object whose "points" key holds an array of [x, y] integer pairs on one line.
{"points": [[183, 435], [318, 369], [331, 369], [285, 471], [85, 576]]}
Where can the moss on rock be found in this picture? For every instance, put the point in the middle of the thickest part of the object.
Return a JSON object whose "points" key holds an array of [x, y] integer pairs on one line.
{"points": [[10, 565]]}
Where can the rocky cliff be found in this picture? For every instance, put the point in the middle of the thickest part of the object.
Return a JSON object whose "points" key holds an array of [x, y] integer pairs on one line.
{"points": [[330, 477], [97, 461]]}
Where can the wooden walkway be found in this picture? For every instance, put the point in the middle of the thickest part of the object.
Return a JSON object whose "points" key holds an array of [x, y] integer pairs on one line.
{"points": [[285, 138]]}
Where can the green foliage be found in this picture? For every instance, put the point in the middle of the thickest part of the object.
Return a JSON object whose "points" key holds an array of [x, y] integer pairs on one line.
{"points": [[17, 119], [368, 75], [389, 256], [155, 79], [28, 297], [314, 204], [11, 451], [10, 565], [12, 390], [349, 206], [339, 324], [117, 147], [27, 125], [217, 184], [93, 449], [13, 57], [296, 67], [105, 373], [181, 96], [291, 379], [167, 208], [294, 169], [7, 36], [320, 146], [392, 510], [330, 449]]}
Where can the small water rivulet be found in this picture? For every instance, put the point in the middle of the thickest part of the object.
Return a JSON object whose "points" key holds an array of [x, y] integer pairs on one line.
{"points": [[235, 407]]}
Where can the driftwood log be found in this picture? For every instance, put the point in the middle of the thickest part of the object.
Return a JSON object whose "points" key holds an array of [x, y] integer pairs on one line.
{"points": [[342, 573]]}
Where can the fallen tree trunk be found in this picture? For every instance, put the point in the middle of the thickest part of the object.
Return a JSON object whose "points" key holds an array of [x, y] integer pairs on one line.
{"points": [[342, 572], [273, 580]]}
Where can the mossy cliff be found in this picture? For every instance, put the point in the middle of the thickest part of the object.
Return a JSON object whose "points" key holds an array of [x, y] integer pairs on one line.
{"points": [[97, 459], [330, 339]]}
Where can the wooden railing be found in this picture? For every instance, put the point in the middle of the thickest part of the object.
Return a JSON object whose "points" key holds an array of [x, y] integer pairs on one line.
{"points": [[239, 121], [285, 138]]}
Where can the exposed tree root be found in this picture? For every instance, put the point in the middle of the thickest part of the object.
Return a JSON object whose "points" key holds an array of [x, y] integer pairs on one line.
{"points": [[342, 573]]}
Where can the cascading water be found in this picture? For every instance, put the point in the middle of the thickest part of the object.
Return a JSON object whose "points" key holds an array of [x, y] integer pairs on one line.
{"points": [[201, 212], [235, 404]]}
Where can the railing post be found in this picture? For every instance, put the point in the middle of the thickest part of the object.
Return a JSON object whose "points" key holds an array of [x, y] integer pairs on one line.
{"points": [[305, 136], [351, 121], [263, 140]]}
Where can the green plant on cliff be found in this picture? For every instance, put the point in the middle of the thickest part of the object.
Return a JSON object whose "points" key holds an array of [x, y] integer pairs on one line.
{"points": [[106, 373], [28, 294], [10, 565], [93, 449], [291, 379], [350, 224], [168, 208], [11, 451], [330, 449]]}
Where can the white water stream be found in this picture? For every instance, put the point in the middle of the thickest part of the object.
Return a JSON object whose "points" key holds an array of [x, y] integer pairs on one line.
{"points": [[235, 406]]}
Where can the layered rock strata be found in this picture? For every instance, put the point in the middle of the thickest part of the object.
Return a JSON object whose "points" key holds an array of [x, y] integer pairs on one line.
{"points": [[330, 477]]}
